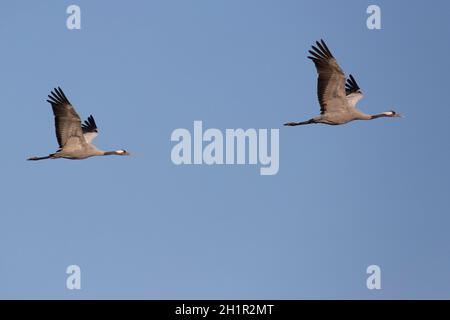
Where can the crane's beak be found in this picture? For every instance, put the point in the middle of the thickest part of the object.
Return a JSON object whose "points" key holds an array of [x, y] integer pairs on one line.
{"points": [[396, 114]]}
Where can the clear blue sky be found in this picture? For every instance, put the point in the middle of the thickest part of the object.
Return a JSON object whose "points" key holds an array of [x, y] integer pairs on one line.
{"points": [[140, 227]]}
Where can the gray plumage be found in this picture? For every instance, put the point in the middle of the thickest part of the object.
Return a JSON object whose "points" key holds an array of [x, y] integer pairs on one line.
{"points": [[74, 138], [337, 97]]}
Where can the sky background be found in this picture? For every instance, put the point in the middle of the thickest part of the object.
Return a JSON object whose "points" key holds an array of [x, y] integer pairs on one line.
{"points": [[347, 197]]}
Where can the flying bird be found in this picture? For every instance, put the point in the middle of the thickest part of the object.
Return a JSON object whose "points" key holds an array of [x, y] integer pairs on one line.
{"points": [[337, 96], [74, 138]]}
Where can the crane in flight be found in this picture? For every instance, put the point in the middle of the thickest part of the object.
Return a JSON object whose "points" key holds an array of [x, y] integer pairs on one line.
{"points": [[337, 96], [74, 138]]}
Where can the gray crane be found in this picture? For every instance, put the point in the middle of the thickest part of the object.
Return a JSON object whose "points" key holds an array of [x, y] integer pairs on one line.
{"points": [[337, 97], [74, 138]]}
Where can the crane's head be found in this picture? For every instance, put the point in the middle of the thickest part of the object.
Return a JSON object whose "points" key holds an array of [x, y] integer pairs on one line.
{"points": [[122, 152], [392, 113]]}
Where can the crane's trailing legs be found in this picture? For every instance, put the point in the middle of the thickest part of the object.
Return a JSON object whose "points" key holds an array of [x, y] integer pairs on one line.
{"points": [[292, 124], [50, 156]]}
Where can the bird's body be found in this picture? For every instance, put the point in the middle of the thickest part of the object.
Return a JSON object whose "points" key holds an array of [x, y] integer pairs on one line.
{"points": [[74, 138], [337, 96], [78, 152]]}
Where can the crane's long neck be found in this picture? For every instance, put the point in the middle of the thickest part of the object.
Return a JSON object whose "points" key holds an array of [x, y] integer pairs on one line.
{"points": [[364, 116], [119, 152], [381, 115], [111, 153]]}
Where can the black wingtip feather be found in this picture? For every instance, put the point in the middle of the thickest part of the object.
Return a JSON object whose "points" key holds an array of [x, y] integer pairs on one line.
{"points": [[351, 85], [321, 50], [89, 124], [57, 97]]}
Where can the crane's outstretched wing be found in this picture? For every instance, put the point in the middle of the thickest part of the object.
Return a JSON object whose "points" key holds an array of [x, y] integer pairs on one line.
{"points": [[353, 91], [67, 121], [89, 128], [331, 81]]}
